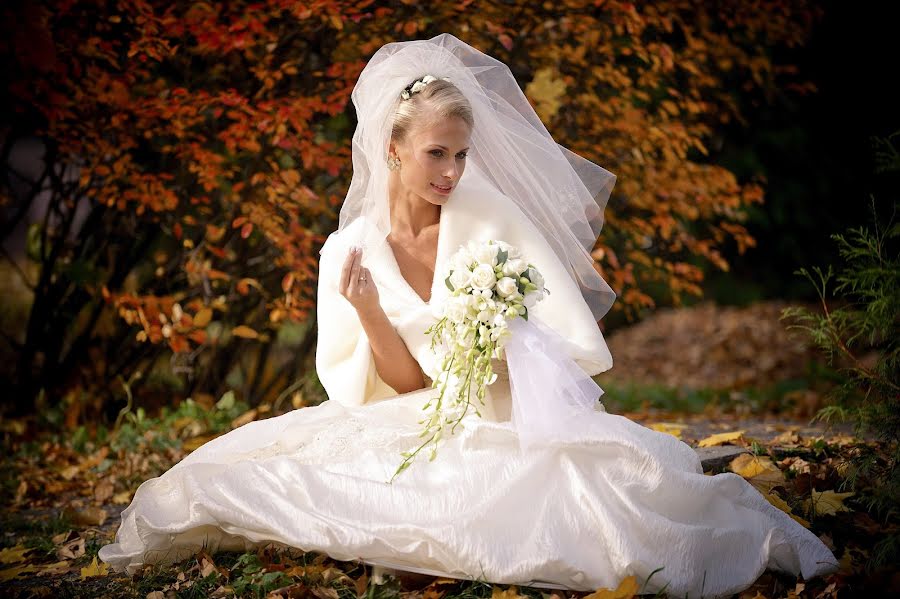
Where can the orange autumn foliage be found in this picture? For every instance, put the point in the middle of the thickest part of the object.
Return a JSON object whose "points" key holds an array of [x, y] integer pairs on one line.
{"points": [[225, 128]]}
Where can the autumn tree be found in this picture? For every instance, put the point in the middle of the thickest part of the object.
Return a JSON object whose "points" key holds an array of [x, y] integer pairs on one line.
{"points": [[195, 154]]}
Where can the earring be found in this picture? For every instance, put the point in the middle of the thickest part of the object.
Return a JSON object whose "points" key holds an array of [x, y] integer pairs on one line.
{"points": [[393, 162]]}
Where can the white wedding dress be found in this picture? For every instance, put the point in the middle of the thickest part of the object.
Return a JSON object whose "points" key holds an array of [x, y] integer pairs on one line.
{"points": [[615, 499]]}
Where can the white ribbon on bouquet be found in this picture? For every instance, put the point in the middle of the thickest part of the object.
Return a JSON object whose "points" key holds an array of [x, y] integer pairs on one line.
{"points": [[550, 392]]}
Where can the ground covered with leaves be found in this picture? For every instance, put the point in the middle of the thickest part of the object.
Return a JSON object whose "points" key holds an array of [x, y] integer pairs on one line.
{"points": [[64, 488]]}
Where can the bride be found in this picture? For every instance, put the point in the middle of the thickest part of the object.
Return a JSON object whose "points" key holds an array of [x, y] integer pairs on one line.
{"points": [[447, 149]]}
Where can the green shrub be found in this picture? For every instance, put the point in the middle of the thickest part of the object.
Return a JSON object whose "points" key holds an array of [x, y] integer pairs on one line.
{"points": [[860, 334]]}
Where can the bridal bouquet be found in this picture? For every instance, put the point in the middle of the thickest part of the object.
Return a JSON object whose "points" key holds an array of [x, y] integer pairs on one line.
{"points": [[490, 284]]}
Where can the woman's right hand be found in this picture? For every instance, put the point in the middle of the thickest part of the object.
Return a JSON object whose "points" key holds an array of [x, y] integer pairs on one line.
{"points": [[362, 294]]}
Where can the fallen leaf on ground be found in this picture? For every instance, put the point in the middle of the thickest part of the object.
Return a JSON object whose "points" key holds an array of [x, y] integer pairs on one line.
{"points": [[13, 555], [89, 516], [760, 471], [627, 589], [721, 438], [827, 502], [672, 428], [10, 573], [94, 569], [784, 507]]}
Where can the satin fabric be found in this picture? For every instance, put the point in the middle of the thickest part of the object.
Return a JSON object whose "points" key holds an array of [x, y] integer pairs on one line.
{"points": [[613, 499]]}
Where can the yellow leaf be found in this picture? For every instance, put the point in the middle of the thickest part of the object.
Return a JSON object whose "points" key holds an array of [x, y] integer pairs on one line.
{"points": [[784, 507], [721, 438], [761, 471], [827, 502], [245, 332], [13, 555], [672, 428], [626, 590], [546, 90], [70, 472], [95, 569], [10, 573], [510, 593], [122, 498], [194, 443], [202, 318]]}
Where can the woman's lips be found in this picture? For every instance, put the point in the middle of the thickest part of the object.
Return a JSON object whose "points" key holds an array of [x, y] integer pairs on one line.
{"points": [[444, 190]]}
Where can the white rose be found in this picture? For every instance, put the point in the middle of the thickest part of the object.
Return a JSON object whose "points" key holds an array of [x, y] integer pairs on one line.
{"points": [[532, 298], [483, 277], [457, 311], [462, 258], [511, 250], [506, 287], [487, 254], [538, 279], [460, 278], [514, 267]]}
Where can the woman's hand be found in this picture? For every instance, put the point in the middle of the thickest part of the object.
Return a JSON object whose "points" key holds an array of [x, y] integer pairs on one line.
{"points": [[356, 283]]}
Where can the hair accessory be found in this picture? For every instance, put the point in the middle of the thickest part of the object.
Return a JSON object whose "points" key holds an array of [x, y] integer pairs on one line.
{"points": [[418, 85]]}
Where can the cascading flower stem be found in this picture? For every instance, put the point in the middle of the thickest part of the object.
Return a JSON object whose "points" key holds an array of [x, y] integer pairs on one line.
{"points": [[490, 284]]}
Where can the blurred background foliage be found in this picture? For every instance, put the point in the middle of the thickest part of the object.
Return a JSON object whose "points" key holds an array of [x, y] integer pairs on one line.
{"points": [[170, 169]]}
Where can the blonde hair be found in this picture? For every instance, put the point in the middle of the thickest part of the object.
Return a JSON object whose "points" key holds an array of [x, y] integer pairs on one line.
{"points": [[443, 99]]}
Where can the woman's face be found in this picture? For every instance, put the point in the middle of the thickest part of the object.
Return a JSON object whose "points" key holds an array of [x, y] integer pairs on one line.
{"points": [[432, 159]]}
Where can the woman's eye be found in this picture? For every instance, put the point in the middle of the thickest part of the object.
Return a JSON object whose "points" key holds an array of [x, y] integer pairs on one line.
{"points": [[439, 153]]}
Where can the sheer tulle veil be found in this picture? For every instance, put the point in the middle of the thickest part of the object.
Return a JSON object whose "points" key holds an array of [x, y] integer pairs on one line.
{"points": [[563, 194]]}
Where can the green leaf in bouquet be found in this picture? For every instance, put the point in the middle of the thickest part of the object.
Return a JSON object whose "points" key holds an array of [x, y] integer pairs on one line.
{"points": [[524, 312], [447, 282], [501, 256]]}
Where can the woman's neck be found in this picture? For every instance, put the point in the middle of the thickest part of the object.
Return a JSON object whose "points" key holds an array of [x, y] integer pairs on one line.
{"points": [[410, 214]]}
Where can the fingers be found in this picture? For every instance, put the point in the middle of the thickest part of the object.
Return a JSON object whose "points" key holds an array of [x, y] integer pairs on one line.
{"points": [[354, 271], [345, 273]]}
